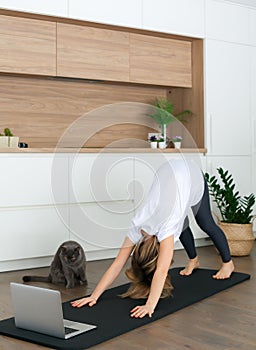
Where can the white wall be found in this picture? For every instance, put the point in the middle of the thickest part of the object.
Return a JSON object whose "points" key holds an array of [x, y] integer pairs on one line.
{"points": [[227, 22], [46, 7], [176, 16], [124, 13]]}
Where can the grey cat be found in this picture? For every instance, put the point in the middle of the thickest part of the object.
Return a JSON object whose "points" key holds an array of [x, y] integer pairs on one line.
{"points": [[68, 266]]}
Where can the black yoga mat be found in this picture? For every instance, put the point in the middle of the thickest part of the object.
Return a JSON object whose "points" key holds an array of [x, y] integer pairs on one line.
{"points": [[112, 314]]}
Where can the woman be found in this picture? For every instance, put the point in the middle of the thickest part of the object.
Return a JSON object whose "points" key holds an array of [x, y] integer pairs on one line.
{"points": [[162, 219]]}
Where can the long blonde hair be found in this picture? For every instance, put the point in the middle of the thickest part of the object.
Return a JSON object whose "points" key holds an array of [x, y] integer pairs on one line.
{"points": [[143, 266]]}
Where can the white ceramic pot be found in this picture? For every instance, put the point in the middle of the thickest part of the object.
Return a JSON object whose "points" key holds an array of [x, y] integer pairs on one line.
{"points": [[4, 141], [153, 144], [13, 141], [162, 144], [177, 144]]}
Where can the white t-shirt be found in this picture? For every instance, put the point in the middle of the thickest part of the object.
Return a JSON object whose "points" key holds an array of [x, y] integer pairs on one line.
{"points": [[177, 186]]}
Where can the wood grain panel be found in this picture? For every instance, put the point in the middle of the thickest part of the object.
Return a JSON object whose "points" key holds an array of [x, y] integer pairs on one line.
{"points": [[40, 110], [192, 99], [27, 46], [92, 53], [160, 61]]}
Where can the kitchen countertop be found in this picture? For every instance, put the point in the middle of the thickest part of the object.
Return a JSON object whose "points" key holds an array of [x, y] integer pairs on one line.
{"points": [[103, 150]]}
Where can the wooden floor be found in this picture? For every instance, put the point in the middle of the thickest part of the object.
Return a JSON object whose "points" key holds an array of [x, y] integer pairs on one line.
{"points": [[225, 321]]}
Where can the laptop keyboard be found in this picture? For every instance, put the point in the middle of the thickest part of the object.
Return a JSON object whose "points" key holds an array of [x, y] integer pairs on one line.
{"points": [[69, 330]]}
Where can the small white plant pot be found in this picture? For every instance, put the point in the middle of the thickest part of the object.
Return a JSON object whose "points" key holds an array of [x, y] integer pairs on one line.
{"points": [[153, 144], [162, 145], [13, 141], [4, 141], [177, 144]]}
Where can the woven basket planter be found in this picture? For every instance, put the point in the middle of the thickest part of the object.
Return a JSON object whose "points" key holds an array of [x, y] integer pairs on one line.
{"points": [[239, 236]]}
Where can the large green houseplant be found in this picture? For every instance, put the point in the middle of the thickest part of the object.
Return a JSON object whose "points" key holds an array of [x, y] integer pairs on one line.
{"points": [[164, 114], [235, 211]]}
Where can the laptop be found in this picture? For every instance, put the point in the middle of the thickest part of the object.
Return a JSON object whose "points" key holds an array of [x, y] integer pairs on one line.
{"points": [[40, 310]]}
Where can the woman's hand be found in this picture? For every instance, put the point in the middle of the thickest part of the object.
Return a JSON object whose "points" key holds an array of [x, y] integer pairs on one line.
{"points": [[90, 301], [141, 311]]}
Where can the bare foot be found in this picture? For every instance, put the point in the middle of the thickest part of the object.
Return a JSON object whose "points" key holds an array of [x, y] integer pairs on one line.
{"points": [[191, 266], [225, 271]]}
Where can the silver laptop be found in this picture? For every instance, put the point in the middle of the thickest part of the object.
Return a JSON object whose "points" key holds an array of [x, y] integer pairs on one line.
{"points": [[40, 310]]}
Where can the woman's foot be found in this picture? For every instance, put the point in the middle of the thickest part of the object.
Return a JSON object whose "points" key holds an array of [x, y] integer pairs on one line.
{"points": [[225, 271], [191, 266]]}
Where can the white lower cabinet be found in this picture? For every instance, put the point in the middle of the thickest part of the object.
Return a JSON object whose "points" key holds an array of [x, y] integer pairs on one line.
{"points": [[30, 237], [51, 200], [100, 227], [100, 177], [33, 208], [27, 180], [101, 198]]}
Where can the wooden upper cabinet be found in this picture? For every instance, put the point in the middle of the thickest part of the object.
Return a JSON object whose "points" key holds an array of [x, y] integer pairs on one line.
{"points": [[160, 61], [92, 53], [27, 46], [41, 47]]}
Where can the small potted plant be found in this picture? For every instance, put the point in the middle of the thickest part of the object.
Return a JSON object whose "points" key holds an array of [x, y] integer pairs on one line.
{"points": [[153, 141], [4, 141], [13, 141], [176, 140], [161, 143], [235, 211], [163, 114]]}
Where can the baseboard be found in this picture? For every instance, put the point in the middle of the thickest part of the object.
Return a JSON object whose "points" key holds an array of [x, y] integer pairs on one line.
{"points": [[32, 263]]}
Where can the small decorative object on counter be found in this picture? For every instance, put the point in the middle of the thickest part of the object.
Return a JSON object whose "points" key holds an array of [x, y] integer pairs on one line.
{"points": [[162, 143], [13, 141], [22, 145], [163, 114], [153, 141], [4, 141], [176, 140]]}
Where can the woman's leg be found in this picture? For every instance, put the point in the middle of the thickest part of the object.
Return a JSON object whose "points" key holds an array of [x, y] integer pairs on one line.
{"points": [[205, 221], [188, 243], [187, 240]]}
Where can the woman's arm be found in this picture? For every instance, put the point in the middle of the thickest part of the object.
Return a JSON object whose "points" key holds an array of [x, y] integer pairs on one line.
{"points": [[163, 265], [109, 276]]}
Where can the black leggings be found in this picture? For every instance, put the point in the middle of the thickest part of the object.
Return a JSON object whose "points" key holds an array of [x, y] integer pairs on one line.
{"points": [[204, 219]]}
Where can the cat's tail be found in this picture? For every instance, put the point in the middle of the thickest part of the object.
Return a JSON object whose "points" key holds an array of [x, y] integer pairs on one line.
{"points": [[36, 279]]}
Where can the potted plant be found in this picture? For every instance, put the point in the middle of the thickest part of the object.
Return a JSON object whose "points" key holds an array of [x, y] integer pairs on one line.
{"points": [[235, 211], [176, 140], [4, 141], [13, 141], [153, 141], [162, 143], [163, 114]]}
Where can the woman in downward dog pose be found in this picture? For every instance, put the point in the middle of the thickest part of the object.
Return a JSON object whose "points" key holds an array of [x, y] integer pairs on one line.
{"points": [[178, 185]]}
